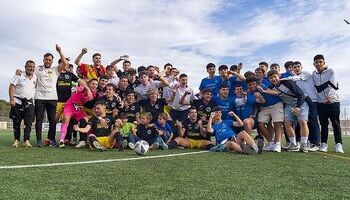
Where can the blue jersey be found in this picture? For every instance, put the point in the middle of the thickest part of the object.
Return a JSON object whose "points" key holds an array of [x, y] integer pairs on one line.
{"points": [[286, 74], [166, 128], [223, 130], [233, 82], [212, 84], [269, 99], [226, 106], [245, 106]]}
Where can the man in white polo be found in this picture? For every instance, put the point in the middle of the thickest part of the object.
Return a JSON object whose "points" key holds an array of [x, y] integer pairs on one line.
{"points": [[46, 95], [21, 92]]}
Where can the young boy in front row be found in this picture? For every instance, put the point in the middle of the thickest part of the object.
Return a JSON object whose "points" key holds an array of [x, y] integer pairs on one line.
{"points": [[99, 128], [296, 108], [148, 132], [224, 134], [123, 131]]}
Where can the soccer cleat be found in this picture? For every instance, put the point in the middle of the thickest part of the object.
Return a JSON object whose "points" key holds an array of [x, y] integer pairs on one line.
{"points": [[47, 142], [339, 148], [286, 146], [277, 148], [324, 147], [304, 147], [62, 145], [98, 146], [260, 144], [246, 149], [154, 146], [16, 143], [39, 143], [298, 145], [313, 147], [131, 145], [269, 146], [27, 144], [53, 143], [293, 147]]}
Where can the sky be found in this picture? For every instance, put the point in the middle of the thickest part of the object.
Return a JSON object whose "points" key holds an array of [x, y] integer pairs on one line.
{"points": [[187, 33]]}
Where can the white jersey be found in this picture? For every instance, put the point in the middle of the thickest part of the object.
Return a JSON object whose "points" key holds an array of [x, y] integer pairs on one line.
{"points": [[46, 83], [25, 87], [141, 90], [187, 101]]}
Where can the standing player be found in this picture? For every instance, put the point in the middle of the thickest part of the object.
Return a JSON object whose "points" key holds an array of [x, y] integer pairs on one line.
{"points": [[211, 81], [307, 85], [182, 100], [96, 70], [296, 109], [46, 94], [147, 84], [21, 92], [328, 102]]}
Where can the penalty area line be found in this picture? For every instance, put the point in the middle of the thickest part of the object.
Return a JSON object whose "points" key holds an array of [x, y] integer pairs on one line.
{"points": [[98, 161]]}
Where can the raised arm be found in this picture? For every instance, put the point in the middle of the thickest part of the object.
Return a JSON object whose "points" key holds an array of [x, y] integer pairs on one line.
{"points": [[64, 64], [210, 121], [78, 59], [238, 122]]}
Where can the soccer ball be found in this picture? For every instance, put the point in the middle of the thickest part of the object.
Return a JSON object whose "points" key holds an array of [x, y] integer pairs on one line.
{"points": [[141, 147]]}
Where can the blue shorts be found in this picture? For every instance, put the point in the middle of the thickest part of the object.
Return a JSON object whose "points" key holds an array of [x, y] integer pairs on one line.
{"points": [[302, 116]]}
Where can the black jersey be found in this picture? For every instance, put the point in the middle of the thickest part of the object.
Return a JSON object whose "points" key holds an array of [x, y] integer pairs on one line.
{"points": [[97, 129], [154, 109], [192, 130], [132, 110], [64, 85], [203, 109], [111, 104], [146, 133]]}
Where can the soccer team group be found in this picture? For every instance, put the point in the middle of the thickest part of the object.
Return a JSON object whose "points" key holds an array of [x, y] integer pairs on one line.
{"points": [[114, 107]]}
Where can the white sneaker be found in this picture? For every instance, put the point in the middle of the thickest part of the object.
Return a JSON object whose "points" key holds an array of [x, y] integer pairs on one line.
{"points": [[269, 146], [131, 145], [286, 146], [324, 147], [339, 148], [313, 148], [277, 148], [80, 144]]}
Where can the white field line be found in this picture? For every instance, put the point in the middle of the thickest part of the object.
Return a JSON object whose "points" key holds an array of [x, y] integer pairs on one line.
{"points": [[98, 161]]}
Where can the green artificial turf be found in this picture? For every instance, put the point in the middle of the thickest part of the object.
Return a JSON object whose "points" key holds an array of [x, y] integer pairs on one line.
{"points": [[198, 176]]}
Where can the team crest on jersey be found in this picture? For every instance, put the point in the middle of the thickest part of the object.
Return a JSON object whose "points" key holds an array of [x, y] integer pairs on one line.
{"points": [[132, 108], [40, 69], [66, 76], [196, 126], [156, 106], [113, 104], [149, 132], [208, 109], [107, 120]]}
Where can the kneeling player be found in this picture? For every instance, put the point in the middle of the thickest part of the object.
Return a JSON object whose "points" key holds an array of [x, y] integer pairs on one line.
{"points": [[224, 134], [191, 134], [100, 134]]}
